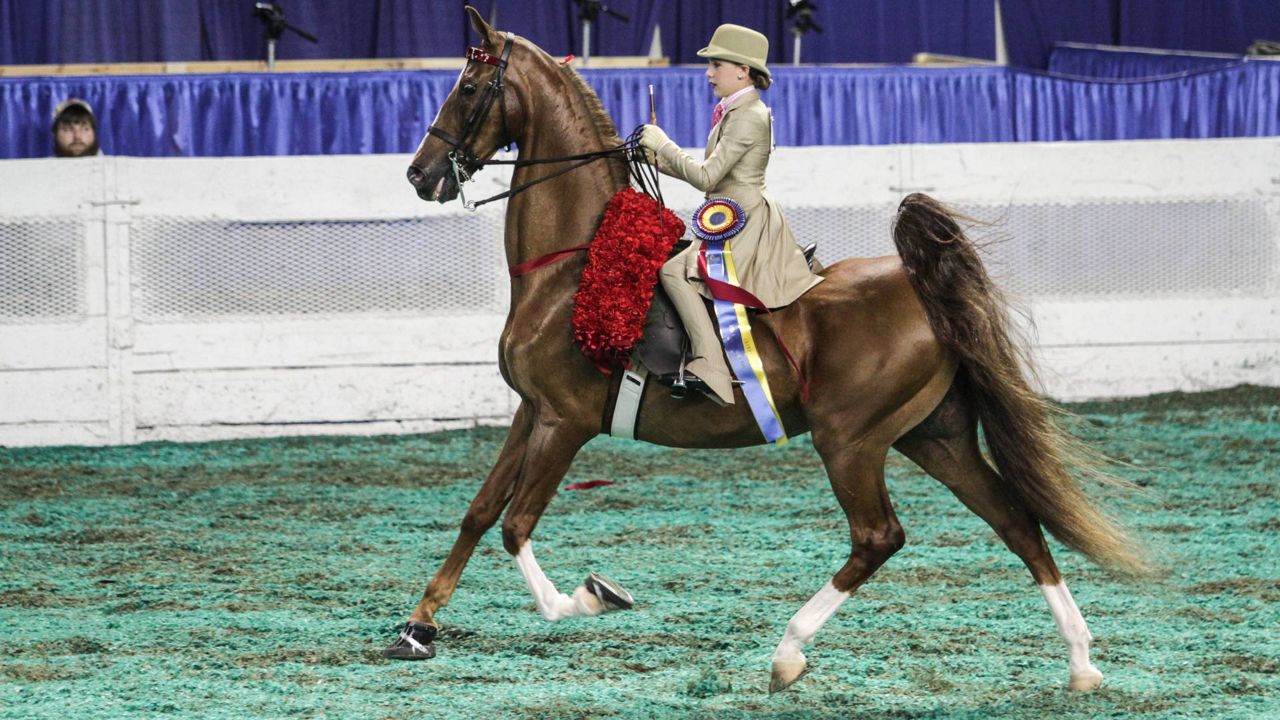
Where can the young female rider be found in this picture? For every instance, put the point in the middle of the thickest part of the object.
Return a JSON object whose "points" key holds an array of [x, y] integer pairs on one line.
{"points": [[769, 263]]}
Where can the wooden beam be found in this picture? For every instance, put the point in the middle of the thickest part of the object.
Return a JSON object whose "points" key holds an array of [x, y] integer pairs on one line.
{"points": [[288, 66]]}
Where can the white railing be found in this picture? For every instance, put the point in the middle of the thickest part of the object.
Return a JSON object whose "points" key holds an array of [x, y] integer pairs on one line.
{"points": [[145, 299]]}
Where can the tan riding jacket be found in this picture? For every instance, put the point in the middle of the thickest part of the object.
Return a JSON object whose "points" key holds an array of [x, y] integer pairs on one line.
{"points": [[769, 263]]}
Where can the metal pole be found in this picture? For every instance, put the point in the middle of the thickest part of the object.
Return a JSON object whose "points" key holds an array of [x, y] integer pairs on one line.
{"points": [[795, 52], [271, 54], [586, 42]]}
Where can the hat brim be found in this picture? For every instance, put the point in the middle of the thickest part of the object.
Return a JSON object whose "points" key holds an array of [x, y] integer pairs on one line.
{"points": [[715, 52]]}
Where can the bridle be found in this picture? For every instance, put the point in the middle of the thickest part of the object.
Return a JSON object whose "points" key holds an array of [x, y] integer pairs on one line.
{"points": [[465, 162], [492, 91]]}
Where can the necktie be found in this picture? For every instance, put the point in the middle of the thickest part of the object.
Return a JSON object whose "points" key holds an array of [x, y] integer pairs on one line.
{"points": [[717, 114]]}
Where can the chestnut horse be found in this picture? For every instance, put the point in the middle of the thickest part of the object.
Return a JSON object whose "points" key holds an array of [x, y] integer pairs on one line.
{"points": [[909, 352]]}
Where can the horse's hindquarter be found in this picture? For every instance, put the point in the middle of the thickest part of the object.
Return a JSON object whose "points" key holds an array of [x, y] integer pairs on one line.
{"points": [[873, 359]]}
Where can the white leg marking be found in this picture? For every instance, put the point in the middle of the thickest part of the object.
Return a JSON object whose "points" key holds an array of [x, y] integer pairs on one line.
{"points": [[1071, 626], [807, 622], [553, 604]]}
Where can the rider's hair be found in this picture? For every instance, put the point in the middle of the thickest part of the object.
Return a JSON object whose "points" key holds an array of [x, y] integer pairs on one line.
{"points": [[760, 80]]}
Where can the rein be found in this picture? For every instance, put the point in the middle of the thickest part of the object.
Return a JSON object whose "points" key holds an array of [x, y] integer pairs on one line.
{"points": [[462, 156], [644, 175]]}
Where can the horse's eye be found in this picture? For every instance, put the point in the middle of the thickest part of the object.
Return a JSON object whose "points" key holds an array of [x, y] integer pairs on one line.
{"points": [[468, 88]]}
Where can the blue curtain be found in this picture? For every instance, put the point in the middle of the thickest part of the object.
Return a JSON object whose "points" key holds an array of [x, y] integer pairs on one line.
{"points": [[388, 112], [99, 31], [894, 32], [1207, 104], [1228, 26], [30, 33], [1031, 27], [96, 31], [873, 106], [1118, 63], [880, 31]]}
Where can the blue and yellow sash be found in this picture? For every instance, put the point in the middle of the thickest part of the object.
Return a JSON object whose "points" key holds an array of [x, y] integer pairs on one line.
{"points": [[715, 222]]}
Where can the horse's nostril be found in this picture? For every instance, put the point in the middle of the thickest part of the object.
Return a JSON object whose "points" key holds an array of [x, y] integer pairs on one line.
{"points": [[416, 176]]}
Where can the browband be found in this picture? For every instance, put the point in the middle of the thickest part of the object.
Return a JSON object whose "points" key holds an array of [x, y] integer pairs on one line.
{"points": [[475, 53]]}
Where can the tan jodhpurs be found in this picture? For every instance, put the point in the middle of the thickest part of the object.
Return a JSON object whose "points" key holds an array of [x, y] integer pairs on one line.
{"points": [[708, 354]]}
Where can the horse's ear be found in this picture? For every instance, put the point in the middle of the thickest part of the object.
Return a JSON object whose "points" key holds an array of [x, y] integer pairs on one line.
{"points": [[479, 25]]}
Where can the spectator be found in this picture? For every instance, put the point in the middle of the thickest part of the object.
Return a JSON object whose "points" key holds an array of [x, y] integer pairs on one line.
{"points": [[75, 129]]}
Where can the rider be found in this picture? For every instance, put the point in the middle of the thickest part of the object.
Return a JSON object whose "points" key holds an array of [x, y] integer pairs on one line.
{"points": [[769, 263]]}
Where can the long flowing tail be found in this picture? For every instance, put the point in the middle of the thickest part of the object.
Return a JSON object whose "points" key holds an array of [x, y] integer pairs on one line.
{"points": [[1031, 451]]}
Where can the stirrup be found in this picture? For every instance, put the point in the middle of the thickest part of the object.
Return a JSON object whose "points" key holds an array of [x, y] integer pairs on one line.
{"points": [[679, 389]]}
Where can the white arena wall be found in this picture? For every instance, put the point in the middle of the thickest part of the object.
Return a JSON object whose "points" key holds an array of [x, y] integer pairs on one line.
{"points": [[195, 299]]}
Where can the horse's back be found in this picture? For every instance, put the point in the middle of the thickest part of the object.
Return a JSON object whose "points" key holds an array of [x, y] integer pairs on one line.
{"points": [[870, 286]]}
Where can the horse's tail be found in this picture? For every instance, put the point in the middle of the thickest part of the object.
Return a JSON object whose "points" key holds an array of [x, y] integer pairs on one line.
{"points": [[969, 316]]}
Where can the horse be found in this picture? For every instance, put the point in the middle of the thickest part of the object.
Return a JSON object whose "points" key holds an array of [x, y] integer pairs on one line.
{"points": [[911, 352]]}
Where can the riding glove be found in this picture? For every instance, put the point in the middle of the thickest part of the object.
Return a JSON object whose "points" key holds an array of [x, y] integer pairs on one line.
{"points": [[653, 138]]}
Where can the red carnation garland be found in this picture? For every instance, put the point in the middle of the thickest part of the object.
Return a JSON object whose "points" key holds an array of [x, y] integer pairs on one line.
{"points": [[634, 239]]}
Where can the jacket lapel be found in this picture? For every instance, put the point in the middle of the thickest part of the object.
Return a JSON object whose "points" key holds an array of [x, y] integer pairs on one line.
{"points": [[713, 138]]}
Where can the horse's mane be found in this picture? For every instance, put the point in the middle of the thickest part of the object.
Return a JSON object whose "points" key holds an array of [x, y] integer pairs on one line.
{"points": [[600, 119], [599, 116]]}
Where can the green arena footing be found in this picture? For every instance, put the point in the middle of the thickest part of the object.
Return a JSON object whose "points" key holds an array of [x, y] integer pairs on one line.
{"points": [[262, 578]]}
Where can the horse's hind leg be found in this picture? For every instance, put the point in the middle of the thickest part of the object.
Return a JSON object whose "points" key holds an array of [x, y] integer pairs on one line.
{"points": [[945, 445], [856, 472], [416, 641]]}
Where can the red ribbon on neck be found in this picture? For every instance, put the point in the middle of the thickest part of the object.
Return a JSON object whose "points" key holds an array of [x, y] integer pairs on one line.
{"points": [[552, 257]]}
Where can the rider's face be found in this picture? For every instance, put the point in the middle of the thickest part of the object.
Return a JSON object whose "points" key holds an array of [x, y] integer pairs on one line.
{"points": [[727, 78]]}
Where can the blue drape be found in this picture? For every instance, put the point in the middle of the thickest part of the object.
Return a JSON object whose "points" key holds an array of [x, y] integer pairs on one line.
{"points": [[1228, 26], [102, 31], [1031, 27], [1119, 63], [388, 112], [1199, 105], [875, 31]]}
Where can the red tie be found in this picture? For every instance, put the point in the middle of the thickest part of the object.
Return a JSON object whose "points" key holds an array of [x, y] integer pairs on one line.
{"points": [[717, 114]]}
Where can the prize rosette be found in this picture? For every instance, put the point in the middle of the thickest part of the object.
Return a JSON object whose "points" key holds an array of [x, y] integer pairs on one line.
{"points": [[718, 219]]}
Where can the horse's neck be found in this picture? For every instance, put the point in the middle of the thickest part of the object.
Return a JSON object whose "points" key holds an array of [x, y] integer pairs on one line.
{"points": [[561, 212]]}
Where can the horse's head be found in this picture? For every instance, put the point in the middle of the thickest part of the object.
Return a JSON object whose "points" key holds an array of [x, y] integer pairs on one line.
{"points": [[473, 122]]}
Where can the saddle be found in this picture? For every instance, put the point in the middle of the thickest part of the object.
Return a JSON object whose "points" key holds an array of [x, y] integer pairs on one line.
{"points": [[664, 347]]}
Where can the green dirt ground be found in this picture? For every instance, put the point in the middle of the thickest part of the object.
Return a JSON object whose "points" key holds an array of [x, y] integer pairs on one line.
{"points": [[261, 578]]}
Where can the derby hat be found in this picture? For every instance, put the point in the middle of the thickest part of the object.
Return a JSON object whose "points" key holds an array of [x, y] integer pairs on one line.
{"points": [[739, 45]]}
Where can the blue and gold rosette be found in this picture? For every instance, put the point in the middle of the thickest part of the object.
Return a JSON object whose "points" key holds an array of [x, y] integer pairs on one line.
{"points": [[718, 219], [715, 222]]}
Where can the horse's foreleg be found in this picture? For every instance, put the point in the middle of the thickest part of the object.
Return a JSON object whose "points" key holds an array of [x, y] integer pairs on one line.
{"points": [[483, 512], [857, 477], [956, 460], [552, 447], [416, 640]]}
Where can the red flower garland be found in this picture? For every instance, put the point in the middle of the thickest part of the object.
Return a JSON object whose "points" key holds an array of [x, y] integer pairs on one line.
{"points": [[633, 241]]}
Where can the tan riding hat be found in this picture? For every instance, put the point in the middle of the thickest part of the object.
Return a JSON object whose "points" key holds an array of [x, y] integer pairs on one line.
{"points": [[739, 45]]}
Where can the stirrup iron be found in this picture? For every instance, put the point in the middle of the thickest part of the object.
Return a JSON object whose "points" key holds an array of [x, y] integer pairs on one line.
{"points": [[678, 387]]}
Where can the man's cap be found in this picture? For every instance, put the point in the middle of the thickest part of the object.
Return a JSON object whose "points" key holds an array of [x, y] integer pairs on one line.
{"points": [[69, 103]]}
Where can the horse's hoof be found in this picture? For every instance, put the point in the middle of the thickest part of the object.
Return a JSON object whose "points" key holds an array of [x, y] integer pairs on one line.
{"points": [[613, 595], [786, 672], [416, 642], [1086, 680]]}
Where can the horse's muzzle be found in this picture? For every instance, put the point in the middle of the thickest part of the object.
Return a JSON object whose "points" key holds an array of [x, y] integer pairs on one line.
{"points": [[417, 178], [442, 189]]}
